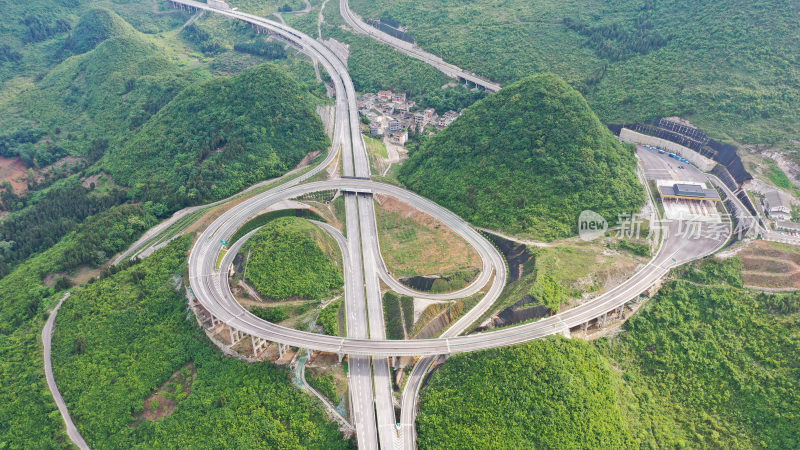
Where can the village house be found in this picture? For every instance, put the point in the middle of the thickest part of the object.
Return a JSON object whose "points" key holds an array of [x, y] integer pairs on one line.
{"points": [[399, 138], [384, 96]]}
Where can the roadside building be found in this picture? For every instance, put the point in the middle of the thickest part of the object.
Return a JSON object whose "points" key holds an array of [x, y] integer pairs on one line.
{"points": [[399, 97], [451, 115], [777, 205], [405, 106], [420, 119], [429, 113], [399, 138], [447, 118], [791, 227], [688, 191], [376, 126], [394, 126], [384, 96]]}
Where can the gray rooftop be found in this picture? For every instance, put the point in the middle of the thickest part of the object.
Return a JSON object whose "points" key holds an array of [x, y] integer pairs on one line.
{"points": [[689, 190], [776, 199]]}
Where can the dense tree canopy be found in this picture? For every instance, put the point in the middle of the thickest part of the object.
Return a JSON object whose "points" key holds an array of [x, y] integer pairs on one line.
{"points": [[115, 83], [218, 137], [120, 338], [527, 160], [286, 260], [704, 364], [28, 415], [730, 66], [553, 393]]}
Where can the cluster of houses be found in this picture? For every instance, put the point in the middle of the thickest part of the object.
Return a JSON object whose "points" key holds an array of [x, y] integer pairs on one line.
{"points": [[391, 114]]}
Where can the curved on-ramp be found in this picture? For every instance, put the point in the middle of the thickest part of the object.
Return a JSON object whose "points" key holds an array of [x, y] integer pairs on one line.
{"points": [[210, 285]]}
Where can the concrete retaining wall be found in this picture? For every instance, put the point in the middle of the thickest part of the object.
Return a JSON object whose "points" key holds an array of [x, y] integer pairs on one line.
{"points": [[705, 164]]}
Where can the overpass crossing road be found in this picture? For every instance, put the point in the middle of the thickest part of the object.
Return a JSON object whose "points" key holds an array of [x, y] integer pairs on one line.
{"points": [[364, 266], [355, 163], [210, 285]]}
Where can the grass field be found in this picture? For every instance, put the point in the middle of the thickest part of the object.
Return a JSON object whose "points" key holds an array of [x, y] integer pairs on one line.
{"points": [[771, 265], [376, 147], [567, 271], [414, 243]]}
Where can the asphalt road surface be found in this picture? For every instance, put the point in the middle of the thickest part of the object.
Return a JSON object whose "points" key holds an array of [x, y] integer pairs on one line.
{"points": [[364, 266]]}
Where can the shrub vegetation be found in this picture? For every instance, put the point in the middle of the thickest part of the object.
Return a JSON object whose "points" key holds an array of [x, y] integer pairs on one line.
{"points": [[527, 160], [137, 334], [706, 363], [287, 261]]}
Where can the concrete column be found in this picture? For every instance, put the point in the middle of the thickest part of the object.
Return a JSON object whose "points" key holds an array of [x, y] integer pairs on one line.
{"points": [[233, 335], [280, 350], [341, 356], [585, 326], [619, 311]]}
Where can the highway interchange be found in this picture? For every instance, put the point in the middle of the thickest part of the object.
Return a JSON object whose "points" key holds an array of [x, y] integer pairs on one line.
{"points": [[365, 344]]}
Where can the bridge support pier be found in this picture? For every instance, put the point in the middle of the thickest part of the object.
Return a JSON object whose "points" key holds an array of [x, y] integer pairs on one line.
{"points": [[619, 311], [281, 350], [585, 326], [258, 345], [603, 320], [236, 335], [341, 356]]}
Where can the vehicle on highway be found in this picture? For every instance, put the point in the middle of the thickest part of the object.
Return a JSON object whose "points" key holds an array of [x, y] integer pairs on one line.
{"points": [[661, 152]]}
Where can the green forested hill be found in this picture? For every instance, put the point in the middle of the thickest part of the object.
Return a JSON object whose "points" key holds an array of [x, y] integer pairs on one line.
{"points": [[553, 393], [119, 339], [218, 137], [116, 81], [28, 415], [731, 67], [527, 160], [704, 364], [287, 260]]}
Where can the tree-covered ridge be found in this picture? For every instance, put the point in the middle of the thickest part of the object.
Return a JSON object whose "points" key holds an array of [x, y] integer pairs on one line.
{"points": [[553, 393], [731, 67], [705, 363], [28, 415], [527, 160], [95, 99], [286, 260], [119, 339], [101, 236], [56, 212], [712, 364], [95, 26], [218, 137]]}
